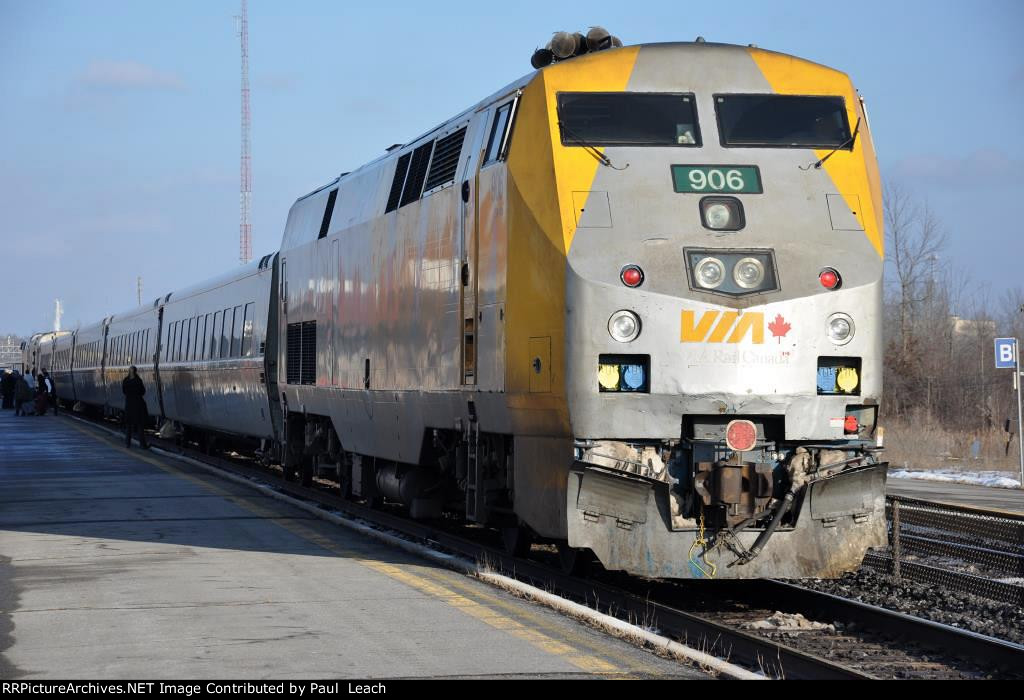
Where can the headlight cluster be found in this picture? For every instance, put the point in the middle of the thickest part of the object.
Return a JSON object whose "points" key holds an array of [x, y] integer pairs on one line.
{"points": [[732, 272]]}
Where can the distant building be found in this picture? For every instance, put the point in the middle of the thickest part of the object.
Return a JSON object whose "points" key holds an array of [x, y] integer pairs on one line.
{"points": [[10, 352], [971, 327]]}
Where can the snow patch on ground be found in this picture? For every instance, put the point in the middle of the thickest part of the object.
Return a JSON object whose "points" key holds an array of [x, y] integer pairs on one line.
{"points": [[994, 479]]}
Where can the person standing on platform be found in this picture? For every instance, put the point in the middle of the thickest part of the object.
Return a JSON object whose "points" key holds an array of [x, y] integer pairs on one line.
{"points": [[22, 395], [135, 413], [51, 389], [7, 386], [42, 396]]}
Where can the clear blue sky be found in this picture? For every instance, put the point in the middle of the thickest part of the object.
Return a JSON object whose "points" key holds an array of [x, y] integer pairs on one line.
{"points": [[119, 121]]}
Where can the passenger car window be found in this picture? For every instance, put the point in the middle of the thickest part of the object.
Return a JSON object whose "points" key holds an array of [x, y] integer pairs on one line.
{"points": [[225, 334], [236, 332], [247, 331]]}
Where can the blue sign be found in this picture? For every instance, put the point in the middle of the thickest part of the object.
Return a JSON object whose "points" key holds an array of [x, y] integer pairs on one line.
{"points": [[1006, 356]]}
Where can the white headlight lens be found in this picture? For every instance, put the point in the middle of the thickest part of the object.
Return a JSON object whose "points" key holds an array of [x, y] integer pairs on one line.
{"points": [[748, 273], [840, 329], [624, 326], [718, 216], [710, 273]]}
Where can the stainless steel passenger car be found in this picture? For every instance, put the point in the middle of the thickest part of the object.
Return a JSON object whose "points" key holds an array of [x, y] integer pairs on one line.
{"points": [[131, 340], [87, 373], [211, 369]]}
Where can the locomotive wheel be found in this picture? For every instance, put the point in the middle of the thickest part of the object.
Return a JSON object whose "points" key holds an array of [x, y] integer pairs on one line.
{"points": [[517, 540], [574, 562]]}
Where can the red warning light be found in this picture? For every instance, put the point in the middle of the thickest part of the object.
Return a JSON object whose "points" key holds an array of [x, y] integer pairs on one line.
{"points": [[829, 278], [740, 435], [632, 276]]}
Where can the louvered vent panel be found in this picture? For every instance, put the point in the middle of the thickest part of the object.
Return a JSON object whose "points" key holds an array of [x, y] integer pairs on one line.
{"points": [[446, 160], [294, 352], [308, 353], [417, 173], [396, 184]]}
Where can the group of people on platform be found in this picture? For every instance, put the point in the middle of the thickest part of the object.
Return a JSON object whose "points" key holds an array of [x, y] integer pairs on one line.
{"points": [[28, 394], [16, 391]]}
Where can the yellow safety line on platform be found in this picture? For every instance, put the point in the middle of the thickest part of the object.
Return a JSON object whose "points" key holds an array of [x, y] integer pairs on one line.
{"points": [[473, 608], [537, 621]]}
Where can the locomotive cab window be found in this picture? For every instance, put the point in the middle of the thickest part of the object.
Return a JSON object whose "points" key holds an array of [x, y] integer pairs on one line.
{"points": [[628, 119], [501, 127], [783, 121]]}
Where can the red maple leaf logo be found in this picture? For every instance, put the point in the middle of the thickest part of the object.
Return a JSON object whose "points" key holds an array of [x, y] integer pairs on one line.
{"points": [[779, 327]]}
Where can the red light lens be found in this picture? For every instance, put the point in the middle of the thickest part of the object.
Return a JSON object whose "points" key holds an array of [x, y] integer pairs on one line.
{"points": [[850, 425], [829, 278], [632, 276], [740, 435]]}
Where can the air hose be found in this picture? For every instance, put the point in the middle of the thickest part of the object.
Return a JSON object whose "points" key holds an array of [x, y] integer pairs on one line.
{"points": [[762, 539]]}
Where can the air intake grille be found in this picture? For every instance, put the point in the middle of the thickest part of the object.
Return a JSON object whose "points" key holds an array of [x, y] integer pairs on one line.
{"points": [[417, 173], [446, 160], [294, 352], [396, 184], [308, 371], [301, 359]]}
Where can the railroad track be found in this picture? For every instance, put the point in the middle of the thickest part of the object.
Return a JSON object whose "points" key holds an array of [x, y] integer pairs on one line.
{"points": [[865, 642], [958, 547]]}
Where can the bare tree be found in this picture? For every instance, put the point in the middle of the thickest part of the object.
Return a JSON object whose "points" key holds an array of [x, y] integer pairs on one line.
{"points": [[915, 240]]}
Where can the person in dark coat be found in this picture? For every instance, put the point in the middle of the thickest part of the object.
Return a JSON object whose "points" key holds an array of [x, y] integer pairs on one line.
{"points": [[51, 388], [7, 388], [135, 413], [22, 395], [42, 396]]}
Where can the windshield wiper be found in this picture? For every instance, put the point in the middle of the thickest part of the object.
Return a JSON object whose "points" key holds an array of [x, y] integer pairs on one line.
{"points": [[589, 147], [848, 142]]}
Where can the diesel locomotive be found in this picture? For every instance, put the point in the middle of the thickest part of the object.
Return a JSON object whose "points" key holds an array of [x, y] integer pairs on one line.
{"points": [[629, 304]]}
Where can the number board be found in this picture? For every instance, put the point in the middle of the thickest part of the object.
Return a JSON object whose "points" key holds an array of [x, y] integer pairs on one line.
{"points": [[728, 179]]}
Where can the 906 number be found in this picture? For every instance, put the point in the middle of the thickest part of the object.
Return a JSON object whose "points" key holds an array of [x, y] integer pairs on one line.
{"points": [[717, 180]]}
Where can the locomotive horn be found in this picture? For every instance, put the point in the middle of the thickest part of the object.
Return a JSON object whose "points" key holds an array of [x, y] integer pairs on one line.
{"points": [[542, 57], [563, 45], [581, 44], [616, 42], [598, 39]]}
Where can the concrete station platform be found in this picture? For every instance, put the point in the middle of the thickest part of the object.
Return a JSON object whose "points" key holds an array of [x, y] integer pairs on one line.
{"points": [[986, 497], [120, 563]]}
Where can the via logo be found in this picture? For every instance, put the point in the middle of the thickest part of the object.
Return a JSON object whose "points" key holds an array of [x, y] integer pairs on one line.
{"points": [[729, 327]]}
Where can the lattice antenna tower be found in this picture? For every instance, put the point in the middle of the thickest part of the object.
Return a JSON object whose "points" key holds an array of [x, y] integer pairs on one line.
{"points": [[245, 194]]}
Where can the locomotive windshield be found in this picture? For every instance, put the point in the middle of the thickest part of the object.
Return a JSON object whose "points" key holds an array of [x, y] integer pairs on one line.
{"points": [[786, 121], [627, 119]]}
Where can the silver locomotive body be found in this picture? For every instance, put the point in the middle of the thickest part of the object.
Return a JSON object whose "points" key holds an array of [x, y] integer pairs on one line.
{"points": [[464, 330]]}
